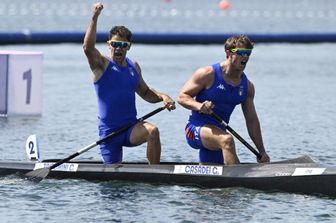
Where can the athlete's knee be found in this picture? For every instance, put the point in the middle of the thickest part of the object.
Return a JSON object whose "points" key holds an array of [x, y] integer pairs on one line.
{"points": [[153, 131], [227, 142]]}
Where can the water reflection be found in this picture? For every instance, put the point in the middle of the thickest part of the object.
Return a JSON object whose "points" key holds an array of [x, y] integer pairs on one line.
{"points": [[178, 203]]}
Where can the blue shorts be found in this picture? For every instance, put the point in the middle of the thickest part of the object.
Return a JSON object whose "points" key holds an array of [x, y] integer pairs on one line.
{"points": [[193, 136], [111, 150]]}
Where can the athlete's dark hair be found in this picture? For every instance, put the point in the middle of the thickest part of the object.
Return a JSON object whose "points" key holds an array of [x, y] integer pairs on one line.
{"points": [[121, 31], [233, 41]]}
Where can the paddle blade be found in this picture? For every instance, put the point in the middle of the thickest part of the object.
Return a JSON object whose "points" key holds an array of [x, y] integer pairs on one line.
{"points": [[38, 174]]}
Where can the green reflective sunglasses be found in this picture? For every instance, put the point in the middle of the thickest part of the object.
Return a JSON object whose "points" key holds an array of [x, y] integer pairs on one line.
{"points": [[242, 51], [121, 44]]}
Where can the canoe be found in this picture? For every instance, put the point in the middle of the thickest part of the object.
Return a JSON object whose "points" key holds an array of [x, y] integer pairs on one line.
{"points": [[299, 175]]}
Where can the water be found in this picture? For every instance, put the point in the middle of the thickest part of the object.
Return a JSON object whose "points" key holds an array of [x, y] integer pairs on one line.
{"points": [[295, 85]]}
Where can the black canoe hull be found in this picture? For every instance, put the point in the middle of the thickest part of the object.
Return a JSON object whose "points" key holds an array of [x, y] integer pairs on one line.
{"points": [[299, 175]]}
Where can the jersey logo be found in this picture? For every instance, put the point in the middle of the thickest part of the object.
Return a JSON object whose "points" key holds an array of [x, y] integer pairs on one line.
{"points": [[241, 90], [115, 68], [131, 71], [196, 133], [221, 86]]}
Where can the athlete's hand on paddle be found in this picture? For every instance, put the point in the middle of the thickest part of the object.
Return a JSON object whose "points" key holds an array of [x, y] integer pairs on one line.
{"points": [[97, 8], [206, 107], [168, 102], [264, 158]]}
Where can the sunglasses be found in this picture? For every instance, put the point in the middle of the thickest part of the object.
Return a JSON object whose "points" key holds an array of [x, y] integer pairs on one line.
{"points": [[242, 51], [121, 44]]}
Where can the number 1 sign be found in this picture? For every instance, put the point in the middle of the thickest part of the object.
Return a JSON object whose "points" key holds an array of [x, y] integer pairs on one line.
{"points": [[20, 83]]}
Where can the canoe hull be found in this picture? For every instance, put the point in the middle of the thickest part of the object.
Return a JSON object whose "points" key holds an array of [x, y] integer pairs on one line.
{"points": [[303, 176]]}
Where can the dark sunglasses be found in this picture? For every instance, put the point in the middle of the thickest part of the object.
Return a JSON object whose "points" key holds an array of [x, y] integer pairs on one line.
{"points": [[121, 44], [242, 51]]}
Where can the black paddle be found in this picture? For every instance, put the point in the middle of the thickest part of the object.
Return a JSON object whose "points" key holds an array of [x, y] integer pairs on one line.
{"points": [[234, 133], [40, 174]]}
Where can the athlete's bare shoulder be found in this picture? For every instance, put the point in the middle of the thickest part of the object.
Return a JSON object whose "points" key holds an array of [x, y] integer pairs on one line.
{"points": [[204, 76]]}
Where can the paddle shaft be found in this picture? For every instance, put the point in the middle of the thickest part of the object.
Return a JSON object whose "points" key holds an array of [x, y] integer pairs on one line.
{"points": [[112, 134], [234, 133]]}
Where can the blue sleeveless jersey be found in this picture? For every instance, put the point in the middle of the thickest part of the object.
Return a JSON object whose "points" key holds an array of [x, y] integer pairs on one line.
{"points": [[115, 92], [224, 96]]}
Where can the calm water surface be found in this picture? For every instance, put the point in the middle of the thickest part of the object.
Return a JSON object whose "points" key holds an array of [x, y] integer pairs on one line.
{"points": [[295, 86]]}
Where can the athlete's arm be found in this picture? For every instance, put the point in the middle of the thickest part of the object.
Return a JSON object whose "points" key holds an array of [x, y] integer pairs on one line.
{"points": [[97, 62], [201, 79], [151, 95], [252, 122]]}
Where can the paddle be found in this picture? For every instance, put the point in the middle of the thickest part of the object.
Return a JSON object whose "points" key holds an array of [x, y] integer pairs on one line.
{"points": [[40, 174], [234, 133]]}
